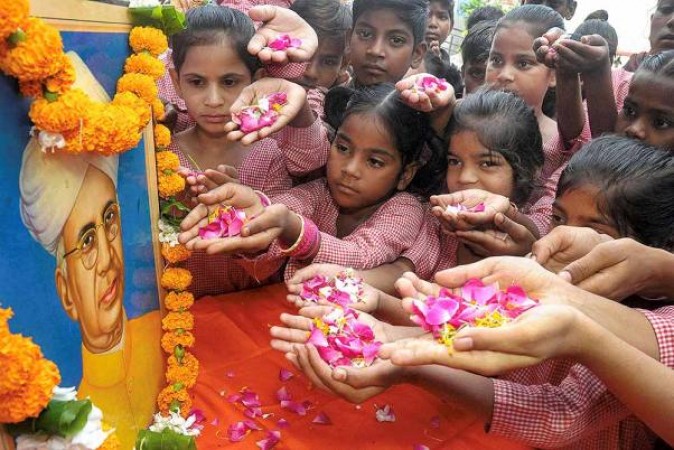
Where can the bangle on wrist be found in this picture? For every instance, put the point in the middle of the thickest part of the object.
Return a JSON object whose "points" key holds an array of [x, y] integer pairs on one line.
{"points": [[298, 241], [308, 242]]}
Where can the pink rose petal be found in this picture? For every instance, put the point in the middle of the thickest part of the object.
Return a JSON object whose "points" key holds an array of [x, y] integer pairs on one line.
{"points": [[284, 42], [295, 407], [435, 422], [285, 374], [385, 414], [322, 419], [230, 374], [273, 438], [283, 394], [420, 447], [215, 422], [282, 423]]}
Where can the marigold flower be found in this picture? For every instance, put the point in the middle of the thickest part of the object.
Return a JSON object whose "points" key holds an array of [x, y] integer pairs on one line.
{"points": [[146, 64], [181, 374], [35, 57], [31, 88], [5, 315], [175, 301], [175, 254], [109, 129], [176, 320], [162, 136], [170, 185], [65, 114], [33, 396], [131, 100], [62, 80], [17, 357], [188, 360], [169, 395], [141, 85], [171, 339], [158, 109], [148, 39], [176, 279], [12, 16]]}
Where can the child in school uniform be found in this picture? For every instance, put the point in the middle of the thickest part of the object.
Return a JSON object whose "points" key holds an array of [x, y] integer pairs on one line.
{"points": [[212, 70], [358, 215]]}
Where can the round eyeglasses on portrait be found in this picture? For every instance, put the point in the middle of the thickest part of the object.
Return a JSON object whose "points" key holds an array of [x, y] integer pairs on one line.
{"points": [[88, 245]]}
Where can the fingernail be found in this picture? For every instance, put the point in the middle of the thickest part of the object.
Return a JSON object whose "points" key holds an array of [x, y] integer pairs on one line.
{"points": [[564, 275], [462, 343]]}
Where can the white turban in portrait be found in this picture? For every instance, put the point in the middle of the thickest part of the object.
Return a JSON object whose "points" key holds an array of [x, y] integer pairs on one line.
{"points": [[49, 182]]}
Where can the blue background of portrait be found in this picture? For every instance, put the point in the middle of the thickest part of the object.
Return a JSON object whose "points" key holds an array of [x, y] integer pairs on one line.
{"points": [[26, 269]]}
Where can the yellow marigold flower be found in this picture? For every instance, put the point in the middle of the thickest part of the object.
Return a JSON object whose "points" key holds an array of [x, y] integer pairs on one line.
{"points": [[33, 396], [12, 16], [167, 161], [170, 185], [162, 136], [148, 39], [176, 320], [169, 396], [131, 100], [112, 442], [176, 279], [141, 85], [35, 57], [170, 340], [146, 64], [189, 360], [175, 301], [110, 129], [181, 374], [17, 357], [158, 109], [65, 114], [62, 80], [175, 254]]}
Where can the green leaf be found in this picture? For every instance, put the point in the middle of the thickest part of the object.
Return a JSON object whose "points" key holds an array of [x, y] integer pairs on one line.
{"points": [[166, 17], [166, 440], [60, 418]]}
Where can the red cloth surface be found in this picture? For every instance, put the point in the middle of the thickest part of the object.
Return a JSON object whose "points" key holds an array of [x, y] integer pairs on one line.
{"points": [[232, 333]]}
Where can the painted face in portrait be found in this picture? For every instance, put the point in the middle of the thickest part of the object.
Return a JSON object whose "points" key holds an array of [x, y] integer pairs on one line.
{"points": [[90, 274]]}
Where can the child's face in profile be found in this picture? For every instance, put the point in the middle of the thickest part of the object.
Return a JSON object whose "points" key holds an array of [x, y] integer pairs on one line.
{"points": [[513, 67], [209, 81], [325, 66], [382, 49], [577, 207], [648, 112], [662, 27], [364, 166], [471, 165]]}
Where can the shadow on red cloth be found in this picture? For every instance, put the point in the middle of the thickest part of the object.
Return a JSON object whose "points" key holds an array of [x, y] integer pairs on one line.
{"points": [[232, 333]]}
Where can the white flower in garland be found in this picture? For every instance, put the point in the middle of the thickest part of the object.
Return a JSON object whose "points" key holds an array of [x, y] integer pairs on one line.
{"points": [[168, 234], [174, 422]]}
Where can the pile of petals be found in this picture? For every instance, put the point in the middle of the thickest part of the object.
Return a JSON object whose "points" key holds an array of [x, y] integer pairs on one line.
{"points": [[431, 83], [284, 42], [342, 340], [455, 209], [478, 305], [263, 113], [343, 289], [225, 221]]}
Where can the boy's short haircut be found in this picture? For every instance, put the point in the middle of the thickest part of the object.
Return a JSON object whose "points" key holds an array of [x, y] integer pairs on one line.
{"points": [[413, 13], [448, 5], [330, 19], [477, 43]]}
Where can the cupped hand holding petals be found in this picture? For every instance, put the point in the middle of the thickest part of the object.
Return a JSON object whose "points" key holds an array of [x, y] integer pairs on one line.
{"points": [[480, 210], [426, 92], [278, 22], [263, 108]]}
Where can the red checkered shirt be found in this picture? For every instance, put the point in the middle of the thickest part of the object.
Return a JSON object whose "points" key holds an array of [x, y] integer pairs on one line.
{"points": [[268, 167], [380, 239], [433, 250], [558, 404]]}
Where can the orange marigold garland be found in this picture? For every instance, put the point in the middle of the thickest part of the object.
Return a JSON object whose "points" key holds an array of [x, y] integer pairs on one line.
{"points": [[28, 378], [65, 118]]}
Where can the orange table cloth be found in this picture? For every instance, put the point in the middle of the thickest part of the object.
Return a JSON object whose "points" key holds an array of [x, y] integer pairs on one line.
{"points": [[232, 345]]}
